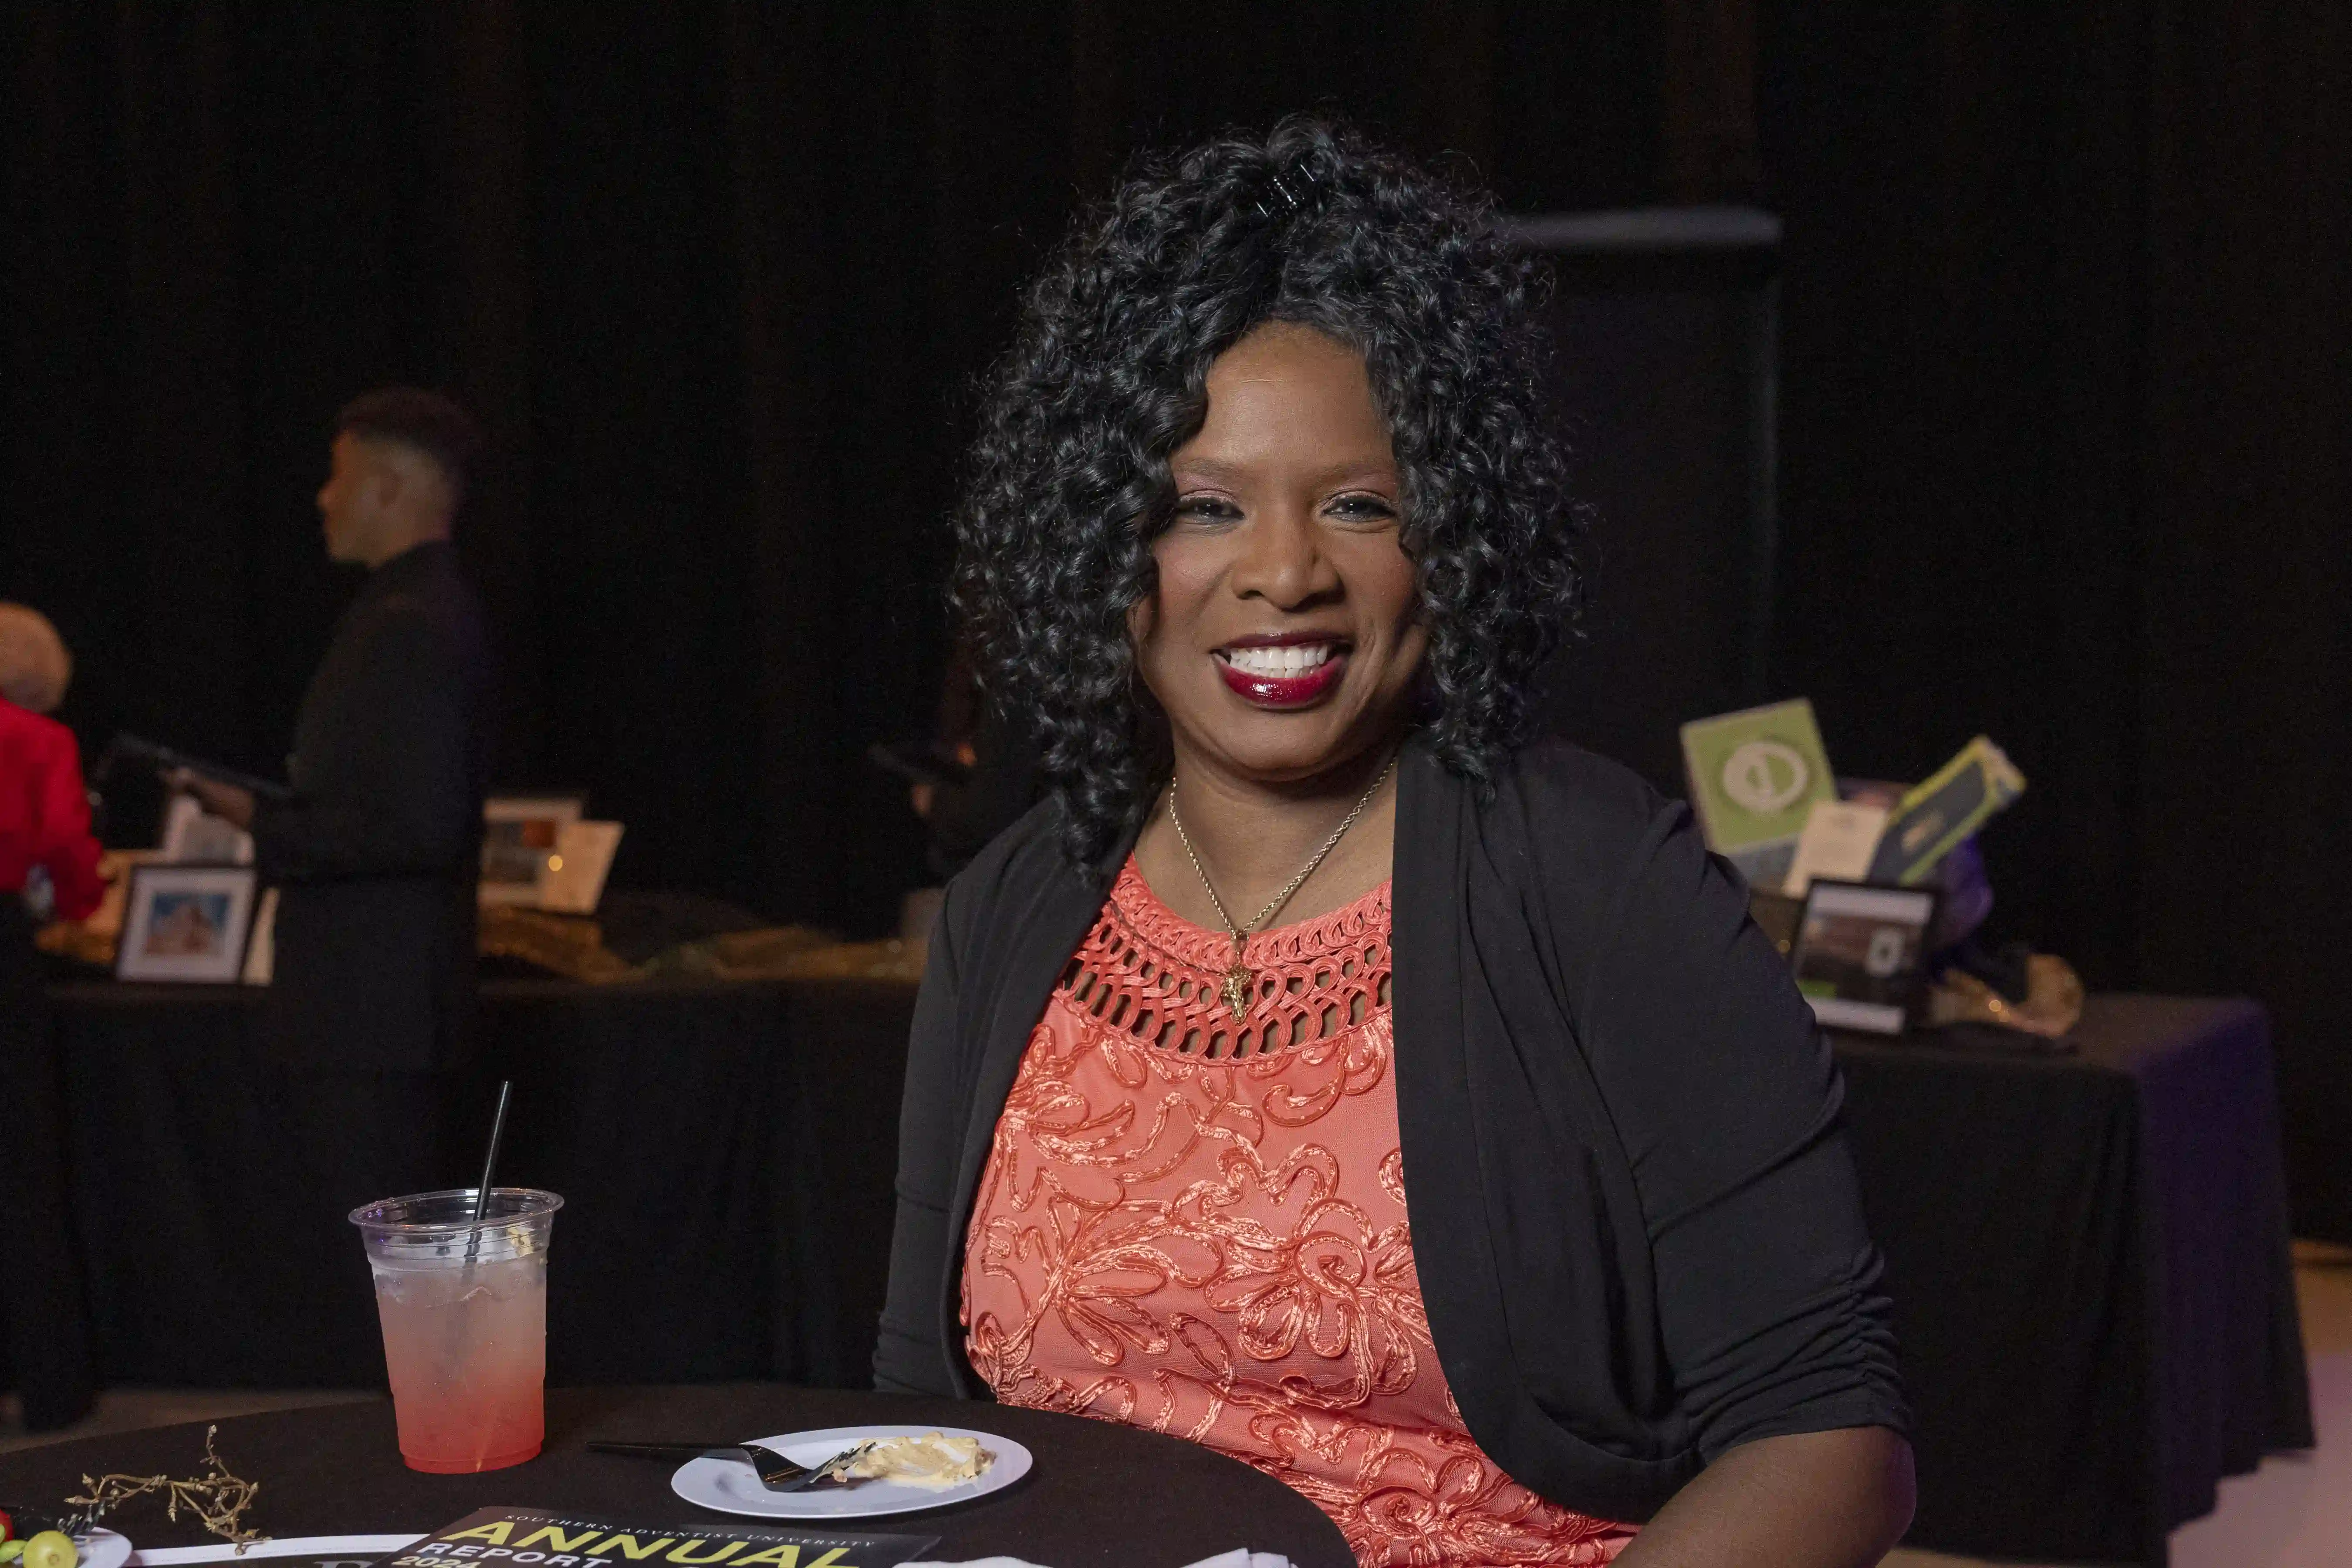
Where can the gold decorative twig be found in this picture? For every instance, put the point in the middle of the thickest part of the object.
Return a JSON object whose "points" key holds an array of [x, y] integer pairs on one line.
{"points": [[217, 1498]]}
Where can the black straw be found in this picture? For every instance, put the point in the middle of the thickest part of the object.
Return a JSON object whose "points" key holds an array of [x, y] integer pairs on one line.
{"points": [[490, 1159]]}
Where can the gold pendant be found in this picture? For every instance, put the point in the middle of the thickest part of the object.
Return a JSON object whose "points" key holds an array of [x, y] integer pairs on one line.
{"points": [[1237, 989], [1238, 980]]}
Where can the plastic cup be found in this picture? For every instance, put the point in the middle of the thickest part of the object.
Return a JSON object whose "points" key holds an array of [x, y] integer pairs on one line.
{"points": [[465, 1323]]}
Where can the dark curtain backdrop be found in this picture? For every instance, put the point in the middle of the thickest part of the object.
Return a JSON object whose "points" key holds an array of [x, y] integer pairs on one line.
{"points": [[2065, 343], [2066, 456], [716, 277]]}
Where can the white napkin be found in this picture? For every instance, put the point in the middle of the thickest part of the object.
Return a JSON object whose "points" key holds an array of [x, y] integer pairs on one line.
{"points": [[1239, 1557]]}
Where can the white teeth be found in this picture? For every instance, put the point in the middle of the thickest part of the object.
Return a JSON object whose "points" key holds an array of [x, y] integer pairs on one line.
{"points": [[1295, 659]]}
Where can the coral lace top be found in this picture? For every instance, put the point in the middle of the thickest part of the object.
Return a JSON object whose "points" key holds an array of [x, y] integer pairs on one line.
{"points": [[1197, 1225]]}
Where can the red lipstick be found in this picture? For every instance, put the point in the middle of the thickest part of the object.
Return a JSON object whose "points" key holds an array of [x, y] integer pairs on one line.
{"points": [[1285, 691]]}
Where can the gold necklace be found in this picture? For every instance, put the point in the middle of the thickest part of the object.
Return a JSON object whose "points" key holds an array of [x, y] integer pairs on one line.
{"points": [[1239, 981]]}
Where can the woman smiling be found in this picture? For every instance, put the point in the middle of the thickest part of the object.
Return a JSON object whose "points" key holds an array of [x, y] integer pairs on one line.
{"points": [[1321, 1074]]}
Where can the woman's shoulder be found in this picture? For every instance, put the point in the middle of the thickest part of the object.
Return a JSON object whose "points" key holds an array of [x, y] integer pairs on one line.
{"points": [[1559, 771], [1021, 865], [1029, 847], [1577, 815]]}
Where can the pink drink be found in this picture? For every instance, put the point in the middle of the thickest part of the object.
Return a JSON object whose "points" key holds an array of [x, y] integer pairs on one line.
{"points": [[464, 1324], [468, 1358]]}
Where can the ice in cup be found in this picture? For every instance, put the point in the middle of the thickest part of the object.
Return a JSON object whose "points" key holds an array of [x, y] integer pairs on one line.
{"points": [[465, 1323]]}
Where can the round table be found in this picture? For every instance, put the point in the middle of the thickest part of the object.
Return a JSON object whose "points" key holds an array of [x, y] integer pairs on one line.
{"points": [[1100, 1493]]}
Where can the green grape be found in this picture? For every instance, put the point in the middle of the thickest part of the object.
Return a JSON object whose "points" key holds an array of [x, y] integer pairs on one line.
{"points": [[50, 1549]]}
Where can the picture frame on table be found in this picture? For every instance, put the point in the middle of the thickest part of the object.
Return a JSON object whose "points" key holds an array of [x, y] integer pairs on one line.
{"points": [[518, 834], [186, 923], [1859, 953], [193, 837]]}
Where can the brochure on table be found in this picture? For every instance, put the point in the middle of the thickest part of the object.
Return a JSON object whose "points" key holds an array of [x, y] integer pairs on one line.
{"points": [[365, 1551], [1754, 776], [533, 1538]]}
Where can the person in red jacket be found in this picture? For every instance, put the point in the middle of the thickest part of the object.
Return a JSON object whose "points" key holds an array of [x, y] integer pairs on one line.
{"points": [[44, 837], [44, 805]]}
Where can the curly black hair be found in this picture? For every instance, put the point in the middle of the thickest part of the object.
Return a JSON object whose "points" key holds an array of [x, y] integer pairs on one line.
{"points": [[1069, 478]]}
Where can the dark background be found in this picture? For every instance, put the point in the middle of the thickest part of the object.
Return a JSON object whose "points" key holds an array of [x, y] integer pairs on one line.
{"points": [[2066, 372]]}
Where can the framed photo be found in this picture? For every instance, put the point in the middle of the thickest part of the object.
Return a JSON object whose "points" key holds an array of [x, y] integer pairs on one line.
{"points": [[185, 923], [1860, 953], [518, 834]]}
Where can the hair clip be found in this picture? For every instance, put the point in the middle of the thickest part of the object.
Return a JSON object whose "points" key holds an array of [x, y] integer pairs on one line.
{"points": [[1291, 200]]}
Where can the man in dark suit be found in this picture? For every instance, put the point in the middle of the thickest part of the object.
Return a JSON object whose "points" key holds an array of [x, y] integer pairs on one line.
{"points": [[377, 854]]}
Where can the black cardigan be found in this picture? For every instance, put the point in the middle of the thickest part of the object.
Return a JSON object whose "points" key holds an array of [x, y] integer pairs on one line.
{"points": [[1634, 1218]]}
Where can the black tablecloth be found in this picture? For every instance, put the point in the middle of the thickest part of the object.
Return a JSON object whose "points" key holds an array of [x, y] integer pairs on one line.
{"points": [[2088, 1258], [1100, 1493], [724, 1151], [45, 1348]]}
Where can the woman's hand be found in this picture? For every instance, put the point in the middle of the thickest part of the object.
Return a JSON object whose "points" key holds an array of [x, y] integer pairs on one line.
{"points": [[1815, 1500]]}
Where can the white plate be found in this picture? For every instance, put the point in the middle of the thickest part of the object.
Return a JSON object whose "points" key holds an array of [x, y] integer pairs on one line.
{"points": [[730, 1486], [102, 1549]]}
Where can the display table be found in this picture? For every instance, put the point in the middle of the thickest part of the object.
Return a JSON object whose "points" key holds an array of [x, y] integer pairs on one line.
{"points": [[2088, 1259], [2087, 1252], [1100, 1493]]}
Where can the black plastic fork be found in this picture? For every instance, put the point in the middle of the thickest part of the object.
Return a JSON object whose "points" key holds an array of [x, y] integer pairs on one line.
{"points": [[774, 1470]]}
